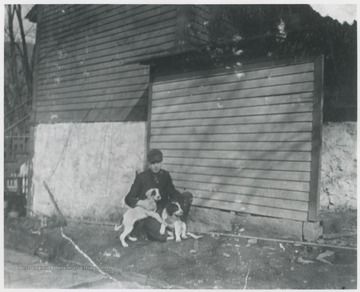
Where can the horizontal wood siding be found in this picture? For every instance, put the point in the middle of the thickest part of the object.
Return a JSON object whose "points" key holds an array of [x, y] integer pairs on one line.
{"points": [[239, 140], [84, 50], [200, 17]]}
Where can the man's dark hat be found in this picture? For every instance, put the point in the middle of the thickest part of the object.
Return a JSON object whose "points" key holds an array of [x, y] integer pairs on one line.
{"points": [[155, 155]]}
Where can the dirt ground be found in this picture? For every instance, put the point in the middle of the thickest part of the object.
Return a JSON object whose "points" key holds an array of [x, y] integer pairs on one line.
{"points": [[214, 261]]}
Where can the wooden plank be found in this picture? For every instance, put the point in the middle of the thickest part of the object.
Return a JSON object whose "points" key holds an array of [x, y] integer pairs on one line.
{"points": [[239, 181], [235, 86], [273, 118], [56, 14], [83, 62], [242, 190], [258, 210], [303, 70], [230, 129], [230, 103], [80, 16], [79, 86], [225, 145], [251, 200], [232, 96], [149, 113], [80, 99], [98, 104], [95, 31], [316, 141], [95, 19], [250, 155], [95, 92], [239, 83], [238, 172], [103, 34], [246, 111], [133, 49], [93, 47], [112, 82], [257, 137], [264, 70], [94, 115], [94, 68], [240, 164], [53, 12], [93, 76], [245, 93]]}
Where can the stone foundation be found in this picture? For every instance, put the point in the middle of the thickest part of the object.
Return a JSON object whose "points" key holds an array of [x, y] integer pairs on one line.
{"points": [[338, 166]]}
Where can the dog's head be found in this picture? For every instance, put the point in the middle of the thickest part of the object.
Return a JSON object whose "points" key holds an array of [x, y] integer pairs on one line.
{"points": [[153, 193], [174, 208]]}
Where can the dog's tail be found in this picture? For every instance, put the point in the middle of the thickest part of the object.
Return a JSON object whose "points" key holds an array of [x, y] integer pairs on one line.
{"points": [[193, 235], [118, 227]]}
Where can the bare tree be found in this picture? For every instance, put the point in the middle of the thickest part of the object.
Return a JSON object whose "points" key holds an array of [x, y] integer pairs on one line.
{"points": [[18, 69], [24, 52]]}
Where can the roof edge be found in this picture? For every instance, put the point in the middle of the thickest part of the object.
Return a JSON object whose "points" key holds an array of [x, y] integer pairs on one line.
{"points": [[32, 15]]}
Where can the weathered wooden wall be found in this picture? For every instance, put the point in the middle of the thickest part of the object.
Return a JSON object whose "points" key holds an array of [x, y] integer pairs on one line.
{"points": [[88, 57], [83, 50], [239, 140]]}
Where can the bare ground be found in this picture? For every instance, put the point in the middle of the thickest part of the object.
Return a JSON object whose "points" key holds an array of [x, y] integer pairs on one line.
{"points": [[214, 261]]}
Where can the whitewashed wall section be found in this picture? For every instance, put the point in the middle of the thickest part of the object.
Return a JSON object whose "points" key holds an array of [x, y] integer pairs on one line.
{"points": [[89, 167]]}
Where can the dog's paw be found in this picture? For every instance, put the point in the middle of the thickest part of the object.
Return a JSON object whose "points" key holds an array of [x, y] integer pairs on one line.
{"points": [[184, 236], [132, 238], [122, 240], [178, 239]]}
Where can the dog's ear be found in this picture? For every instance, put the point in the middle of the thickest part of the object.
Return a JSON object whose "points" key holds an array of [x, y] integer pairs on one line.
{"points": [[171, 208], [149, 193]]}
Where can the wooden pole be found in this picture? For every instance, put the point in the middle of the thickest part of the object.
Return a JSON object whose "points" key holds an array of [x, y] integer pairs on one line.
{"points": [[62, 218]]}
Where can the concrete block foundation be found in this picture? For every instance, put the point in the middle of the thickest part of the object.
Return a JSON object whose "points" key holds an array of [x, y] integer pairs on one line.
{"points": [[312, 231], [204, 220]]}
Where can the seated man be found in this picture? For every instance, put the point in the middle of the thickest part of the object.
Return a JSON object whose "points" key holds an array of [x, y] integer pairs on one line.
{"points": [[156, 177]]}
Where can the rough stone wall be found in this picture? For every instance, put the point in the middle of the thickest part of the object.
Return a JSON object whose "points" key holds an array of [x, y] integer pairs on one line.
{"points": [[89, 167], [338, 169]]}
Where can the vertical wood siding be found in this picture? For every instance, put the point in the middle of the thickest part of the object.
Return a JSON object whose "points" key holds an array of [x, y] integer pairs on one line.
{"points": [[239, 140], [83, 51]]}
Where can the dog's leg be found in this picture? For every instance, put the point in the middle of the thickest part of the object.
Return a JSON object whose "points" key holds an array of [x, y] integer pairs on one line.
{"points": [[177, 231], [161, 221], [127, 230], [170, 235], [117, 227], [183, 230], [162, 229]]}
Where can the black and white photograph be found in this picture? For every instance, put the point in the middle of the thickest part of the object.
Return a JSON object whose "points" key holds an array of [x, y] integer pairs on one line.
{"points": [[180, 145]]}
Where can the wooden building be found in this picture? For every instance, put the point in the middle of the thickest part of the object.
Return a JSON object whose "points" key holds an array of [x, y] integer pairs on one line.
{"points": [[241, 137]]}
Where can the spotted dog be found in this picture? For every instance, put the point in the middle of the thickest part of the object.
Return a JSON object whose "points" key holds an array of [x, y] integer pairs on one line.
{"points": [[171, 215], [143, 209]]}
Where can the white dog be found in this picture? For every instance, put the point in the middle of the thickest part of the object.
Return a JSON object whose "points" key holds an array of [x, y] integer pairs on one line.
{"points": [[143, 209]]}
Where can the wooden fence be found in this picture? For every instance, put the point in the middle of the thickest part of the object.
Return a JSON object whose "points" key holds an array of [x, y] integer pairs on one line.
{"points": [[14, 145]]}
